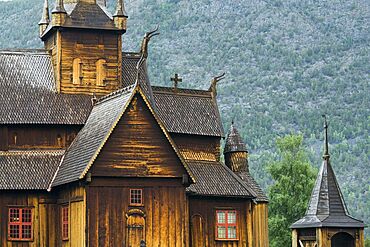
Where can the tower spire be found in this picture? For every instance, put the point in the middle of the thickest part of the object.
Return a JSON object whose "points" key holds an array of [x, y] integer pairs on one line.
{"points": [[59, 7], [120, 15], [326, 141], [44, 22]]}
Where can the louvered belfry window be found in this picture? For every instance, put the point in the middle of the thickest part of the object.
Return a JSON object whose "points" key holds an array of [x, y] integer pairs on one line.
{"points": [[20, 224], [226, 225], [65, 222]]}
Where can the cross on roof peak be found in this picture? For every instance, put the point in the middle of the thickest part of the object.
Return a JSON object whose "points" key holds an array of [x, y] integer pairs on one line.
{"points": [[176, 80]]}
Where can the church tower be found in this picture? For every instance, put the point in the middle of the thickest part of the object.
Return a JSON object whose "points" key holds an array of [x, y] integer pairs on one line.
{"points": [[235, 151], [327, 222], [85, 43], [236, 158]]}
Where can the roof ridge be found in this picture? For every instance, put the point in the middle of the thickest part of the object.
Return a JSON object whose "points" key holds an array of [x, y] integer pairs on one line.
{"points": [[114, 94], [32, 152], [182, 91], [15, 51]]}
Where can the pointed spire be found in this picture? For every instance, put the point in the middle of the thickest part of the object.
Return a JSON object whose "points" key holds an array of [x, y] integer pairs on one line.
{"points": [[45, 14], [120, 9], [326, 155], [234, 142], [327, 207], [44, 22], [59, 7]]}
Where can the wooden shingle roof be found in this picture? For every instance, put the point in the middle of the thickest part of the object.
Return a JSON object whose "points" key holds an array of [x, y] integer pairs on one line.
{"points": [[28, 94], [188, 111], [28, 170], [327, 207], [249, 180], [234, 142], [216, 179]]}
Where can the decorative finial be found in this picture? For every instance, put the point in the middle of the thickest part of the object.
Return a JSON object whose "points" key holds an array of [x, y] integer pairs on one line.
{"points": [[146, 39], [44, 22], [120, 9], [176, 80], [326, 147], [45, 14], [215, 80], [59, 7]]}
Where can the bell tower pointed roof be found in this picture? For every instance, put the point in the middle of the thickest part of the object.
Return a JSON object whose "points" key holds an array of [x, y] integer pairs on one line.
{"points": [[327, 207], [234, 142]]}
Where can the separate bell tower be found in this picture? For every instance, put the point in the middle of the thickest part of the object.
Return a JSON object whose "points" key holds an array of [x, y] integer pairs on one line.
{"points": [[85, 43], [327, 222]]}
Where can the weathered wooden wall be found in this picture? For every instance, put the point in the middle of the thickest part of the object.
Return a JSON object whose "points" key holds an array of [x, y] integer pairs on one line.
{"points": [[324, 236], [18, 137], [260, 225], [165, 208], [203, 218], [73, 196], [138, 147], [198, 147], [44, 217], [89, 46]]}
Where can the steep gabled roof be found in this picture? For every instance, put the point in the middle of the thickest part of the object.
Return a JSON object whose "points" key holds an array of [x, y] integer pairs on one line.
{"points": [[28, 170], [90, 140], [327, 207], [216, 179]]}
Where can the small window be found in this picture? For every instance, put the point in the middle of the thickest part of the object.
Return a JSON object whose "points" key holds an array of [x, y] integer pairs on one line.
{"points": [[65, 222], [77, 71], [20, 224], [226, 225], [100, 72], [136, 197]]}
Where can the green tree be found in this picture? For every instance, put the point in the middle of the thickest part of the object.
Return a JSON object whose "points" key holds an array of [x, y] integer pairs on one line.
{"points": [[367, 242], [294, 178]]}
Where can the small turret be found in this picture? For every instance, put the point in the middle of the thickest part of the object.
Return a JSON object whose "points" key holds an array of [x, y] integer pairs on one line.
{"points": [[120, 16], [44, 22], [235, 152], [58, 13]]}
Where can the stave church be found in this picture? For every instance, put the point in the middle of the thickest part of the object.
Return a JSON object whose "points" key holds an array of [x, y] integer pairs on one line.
{"points": [[92, 154]]}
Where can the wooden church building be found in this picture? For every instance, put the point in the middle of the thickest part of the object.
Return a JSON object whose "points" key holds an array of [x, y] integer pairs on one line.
{"points": [[91, 154], [327, 222]]}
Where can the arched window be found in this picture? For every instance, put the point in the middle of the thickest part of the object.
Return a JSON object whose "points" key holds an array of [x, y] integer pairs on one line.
{"points": [[77, 71], [342, 239], [100, 72]]}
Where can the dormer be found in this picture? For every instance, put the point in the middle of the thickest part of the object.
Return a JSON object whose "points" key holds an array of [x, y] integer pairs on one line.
{"points": [[85, 42]]}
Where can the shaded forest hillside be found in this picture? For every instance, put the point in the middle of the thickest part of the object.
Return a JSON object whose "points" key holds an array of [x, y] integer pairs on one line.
{"points": [[287, 63]]}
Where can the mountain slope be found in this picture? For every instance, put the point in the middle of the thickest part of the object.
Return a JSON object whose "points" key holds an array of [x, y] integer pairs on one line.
{"points": [[287, 63]]}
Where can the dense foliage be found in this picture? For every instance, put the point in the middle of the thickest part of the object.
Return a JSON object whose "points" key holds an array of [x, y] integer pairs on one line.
{"points": [[287, 63], [289, 195]]}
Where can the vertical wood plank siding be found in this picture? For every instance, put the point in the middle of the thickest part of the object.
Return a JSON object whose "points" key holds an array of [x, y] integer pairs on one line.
{"points": [[137, 147], [164, 209]]}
